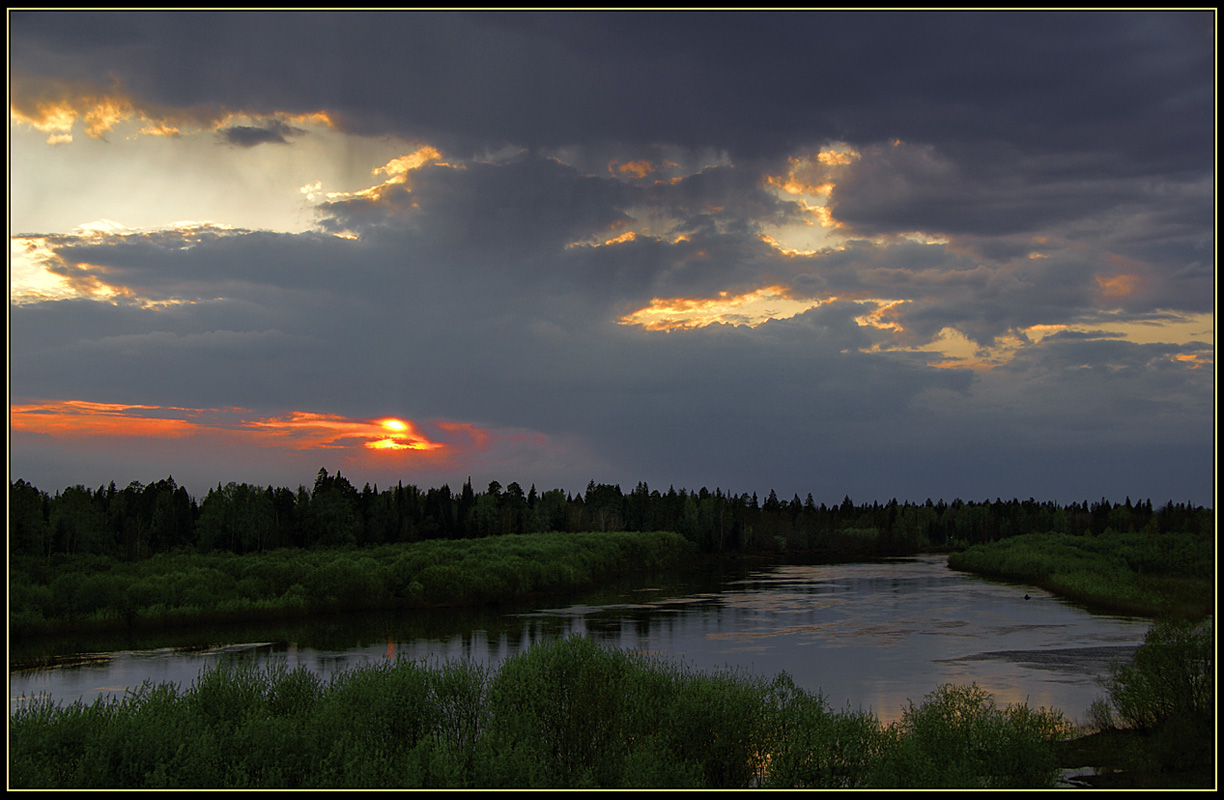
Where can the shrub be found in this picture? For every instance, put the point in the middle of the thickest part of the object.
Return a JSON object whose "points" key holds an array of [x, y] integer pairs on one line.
{"points": [[959, 738], [820, 749], [556, 709], [1172, 674]]}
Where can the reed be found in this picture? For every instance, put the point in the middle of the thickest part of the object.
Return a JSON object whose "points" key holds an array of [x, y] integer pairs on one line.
{"points": [[99, 593], [1149, 574], [561, 714]]}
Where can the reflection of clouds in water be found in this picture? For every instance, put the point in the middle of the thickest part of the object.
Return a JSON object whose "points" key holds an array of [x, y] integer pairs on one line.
{"points": [[1075, 660], [860, 633], [831, 634], [1022, 628], [782, 603]]}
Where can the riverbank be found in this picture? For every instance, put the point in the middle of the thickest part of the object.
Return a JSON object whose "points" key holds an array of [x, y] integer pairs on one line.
{"points": [[566, 713], [99, 594], [1130, 759], [790, 589], [1158, 575]]}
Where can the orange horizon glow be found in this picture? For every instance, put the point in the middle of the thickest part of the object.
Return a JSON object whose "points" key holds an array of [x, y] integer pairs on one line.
{"points": [[297, 430]]}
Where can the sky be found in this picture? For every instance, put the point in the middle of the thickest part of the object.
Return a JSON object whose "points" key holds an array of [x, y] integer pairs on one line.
{"points": [[868, 254]]}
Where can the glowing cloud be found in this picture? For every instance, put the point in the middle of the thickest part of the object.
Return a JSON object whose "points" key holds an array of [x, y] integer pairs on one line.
{"points": [[953, 350], [634, 169], [400, 167], [39, 273], [79, 418], [1113, 287], [55, 107], [303, 430], [30, 280], [297, 430], [751, 309], [808, 183], [882, 316], [396, 170]]}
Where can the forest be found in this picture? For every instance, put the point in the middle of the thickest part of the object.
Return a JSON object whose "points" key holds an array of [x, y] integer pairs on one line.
{"points": [[143, 520], [153, 556]]}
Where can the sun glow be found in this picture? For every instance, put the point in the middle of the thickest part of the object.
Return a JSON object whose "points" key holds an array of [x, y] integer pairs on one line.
{"points": [[297, 430]]}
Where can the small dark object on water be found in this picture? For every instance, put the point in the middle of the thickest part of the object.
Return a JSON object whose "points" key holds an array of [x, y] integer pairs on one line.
{"points": [[1026, 597]]}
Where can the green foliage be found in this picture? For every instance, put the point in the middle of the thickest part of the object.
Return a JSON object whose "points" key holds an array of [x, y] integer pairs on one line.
{"points": [[563, 714], [143, 520], [92, 591], [819, 749], [558, 708], [959, 738], [1151, 573], [1172, 675]]}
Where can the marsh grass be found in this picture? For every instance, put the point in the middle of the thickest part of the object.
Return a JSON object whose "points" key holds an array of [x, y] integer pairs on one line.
{"points": [[562, 714], [1144, 573], [98, 593]]}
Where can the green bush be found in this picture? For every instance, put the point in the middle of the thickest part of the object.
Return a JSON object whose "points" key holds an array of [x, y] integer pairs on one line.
{"points": [[558, 708], [818, 749], [959, 738], [562, 714], [1172, 674], [1153, 574]]}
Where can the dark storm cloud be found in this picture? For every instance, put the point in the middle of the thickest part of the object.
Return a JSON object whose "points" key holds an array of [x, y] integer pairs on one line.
{"points": [[509, 210], [1000, 193], [447, 328], [530, 220], [274, 132], [1135, 87], [1065, 158]]}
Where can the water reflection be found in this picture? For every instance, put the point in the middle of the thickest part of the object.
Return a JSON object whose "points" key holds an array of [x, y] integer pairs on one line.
{"points": [[867, 635]]}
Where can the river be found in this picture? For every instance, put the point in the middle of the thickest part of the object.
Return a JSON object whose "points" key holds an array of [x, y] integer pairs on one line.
{"points": [[867, 635]]}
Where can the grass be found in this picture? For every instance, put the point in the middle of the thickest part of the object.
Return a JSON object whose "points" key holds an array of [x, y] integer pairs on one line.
{"points": [[563, 714], [85, 593], [1145, 574]]}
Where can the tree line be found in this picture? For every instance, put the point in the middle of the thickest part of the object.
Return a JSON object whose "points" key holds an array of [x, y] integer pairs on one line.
{"points": [[142, 520]]}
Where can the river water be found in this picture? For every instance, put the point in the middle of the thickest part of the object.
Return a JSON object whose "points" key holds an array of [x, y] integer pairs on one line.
{"points": [[867, 635]]}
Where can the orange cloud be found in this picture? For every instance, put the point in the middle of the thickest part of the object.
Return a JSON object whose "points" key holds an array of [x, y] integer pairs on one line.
{"points": [[400, 167], [77, 418], [38, 272], [303, 430], [396, 170], [55, 107], [634, 169], [839, 155], [883, 315], [297, 430], [1118, 286], [750, 308]]}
